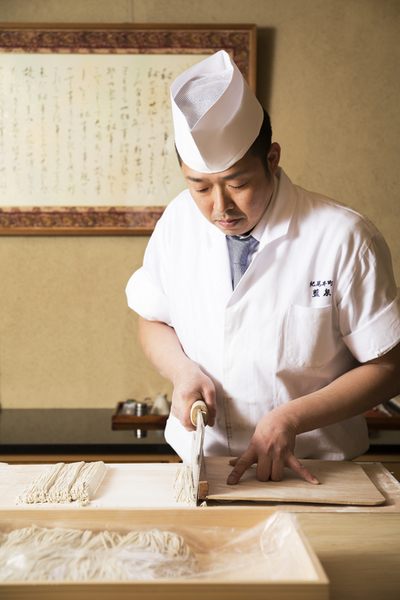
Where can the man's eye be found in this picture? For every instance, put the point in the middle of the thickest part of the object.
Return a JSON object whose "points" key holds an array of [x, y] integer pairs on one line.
{"points": [[237, 187]]}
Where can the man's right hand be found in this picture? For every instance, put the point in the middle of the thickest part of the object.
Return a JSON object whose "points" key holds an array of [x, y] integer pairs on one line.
{"points": [[190, 385], [162, 347]]}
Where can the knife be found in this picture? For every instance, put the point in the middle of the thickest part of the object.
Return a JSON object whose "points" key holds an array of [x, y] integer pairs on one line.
{"points": [[199, 418]]}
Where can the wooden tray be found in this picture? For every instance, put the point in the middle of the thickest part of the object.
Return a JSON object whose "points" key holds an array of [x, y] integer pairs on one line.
{"points": [[378, 419], [148, 422], [291, 573], [341, 482]]}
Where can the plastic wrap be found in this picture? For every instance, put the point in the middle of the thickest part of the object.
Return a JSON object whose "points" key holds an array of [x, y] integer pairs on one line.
{"points": [[272, 551]]}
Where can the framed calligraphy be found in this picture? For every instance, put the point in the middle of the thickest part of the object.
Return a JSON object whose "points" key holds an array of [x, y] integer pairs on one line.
{"points": [[86, 137]]}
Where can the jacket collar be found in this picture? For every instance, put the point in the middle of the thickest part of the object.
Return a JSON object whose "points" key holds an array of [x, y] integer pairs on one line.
{"points": [[277, 218]]}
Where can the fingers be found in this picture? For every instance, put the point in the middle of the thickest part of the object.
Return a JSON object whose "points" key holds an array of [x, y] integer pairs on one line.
{"points": [[300, 469], [277, 470], [267, 469], [180, 408], [242, 463], [196, 387], [209, 399], [264, 465]]}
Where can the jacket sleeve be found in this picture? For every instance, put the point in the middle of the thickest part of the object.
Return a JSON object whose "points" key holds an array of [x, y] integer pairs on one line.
{"points": [[370, 306], [147, 289]]}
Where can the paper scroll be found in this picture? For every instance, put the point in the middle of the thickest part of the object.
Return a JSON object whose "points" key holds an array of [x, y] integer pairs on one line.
{"points": [[88, 130]]}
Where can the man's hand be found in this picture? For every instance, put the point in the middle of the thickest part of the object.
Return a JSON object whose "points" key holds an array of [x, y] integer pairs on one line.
{"points": [[191, 385], [351, 394], [272, 448], [162, 347]]}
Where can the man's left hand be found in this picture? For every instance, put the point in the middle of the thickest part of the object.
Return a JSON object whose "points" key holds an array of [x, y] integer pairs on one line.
{"points": [[272, 449]]}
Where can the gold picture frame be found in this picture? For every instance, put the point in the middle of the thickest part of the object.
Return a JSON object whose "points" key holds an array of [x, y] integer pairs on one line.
{"points": [[83, 39]]}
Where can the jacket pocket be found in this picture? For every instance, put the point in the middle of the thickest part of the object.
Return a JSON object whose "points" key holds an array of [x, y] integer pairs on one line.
{"points": [[310, 338]]}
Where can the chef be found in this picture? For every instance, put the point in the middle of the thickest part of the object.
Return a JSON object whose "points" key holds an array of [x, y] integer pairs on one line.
{"points": [[275, 305]]}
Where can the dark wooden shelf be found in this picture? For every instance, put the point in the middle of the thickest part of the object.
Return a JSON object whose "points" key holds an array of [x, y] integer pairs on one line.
{"points": [[147, 422], [378, 420]]}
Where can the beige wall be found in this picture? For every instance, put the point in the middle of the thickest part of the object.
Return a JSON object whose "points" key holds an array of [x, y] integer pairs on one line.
{"points": [[328, 72], [68, 338]]}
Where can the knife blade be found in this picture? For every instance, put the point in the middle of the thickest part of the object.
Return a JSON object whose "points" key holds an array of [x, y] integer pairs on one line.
{"points": [[199, 418]]}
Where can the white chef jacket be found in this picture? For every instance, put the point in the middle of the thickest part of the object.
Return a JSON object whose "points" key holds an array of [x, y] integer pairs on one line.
{"points": [[318, 298]]}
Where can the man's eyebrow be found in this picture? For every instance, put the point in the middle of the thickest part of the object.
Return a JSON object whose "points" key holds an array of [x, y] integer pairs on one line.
{"points": [[234, 175], [195, 179], [226, 178]]}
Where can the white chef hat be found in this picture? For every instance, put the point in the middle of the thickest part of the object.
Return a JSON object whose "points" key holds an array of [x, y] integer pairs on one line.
{"points": [[216, 115]]}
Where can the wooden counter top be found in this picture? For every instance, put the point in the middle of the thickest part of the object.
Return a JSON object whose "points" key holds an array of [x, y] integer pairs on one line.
{"points": [[360, 553], [358, 547]]}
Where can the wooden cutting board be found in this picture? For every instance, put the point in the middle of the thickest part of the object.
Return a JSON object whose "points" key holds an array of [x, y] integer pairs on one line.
{"points": [[341, 482]]}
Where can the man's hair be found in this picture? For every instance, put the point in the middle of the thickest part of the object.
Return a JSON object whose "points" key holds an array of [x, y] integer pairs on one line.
{"points": [[261, 145]]}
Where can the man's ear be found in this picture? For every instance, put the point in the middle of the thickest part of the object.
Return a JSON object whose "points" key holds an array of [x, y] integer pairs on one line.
{"points": [[273, 157]]}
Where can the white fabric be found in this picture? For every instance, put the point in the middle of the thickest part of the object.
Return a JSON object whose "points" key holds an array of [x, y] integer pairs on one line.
{"points": [[199, 94], [318, 295], [213, 100]]}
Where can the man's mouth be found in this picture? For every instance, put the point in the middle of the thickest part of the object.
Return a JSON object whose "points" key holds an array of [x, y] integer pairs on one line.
{"points": [[227, 223]]}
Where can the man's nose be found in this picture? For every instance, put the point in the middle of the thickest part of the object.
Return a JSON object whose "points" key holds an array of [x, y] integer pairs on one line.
{"points": [[222, 200]]}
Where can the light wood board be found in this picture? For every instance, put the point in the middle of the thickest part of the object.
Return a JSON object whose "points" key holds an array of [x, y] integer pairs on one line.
{"points": [[341, 482], [123, 486], [131, 486]]}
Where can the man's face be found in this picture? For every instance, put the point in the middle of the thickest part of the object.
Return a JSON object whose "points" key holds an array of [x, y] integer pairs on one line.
{"points": [[234, 200]]}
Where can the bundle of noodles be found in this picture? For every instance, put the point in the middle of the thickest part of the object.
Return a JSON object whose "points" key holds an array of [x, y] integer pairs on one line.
{"points": [[37, 490], [62, 483], [60, 490], [88, 481], [39, 554], [183, 485]]}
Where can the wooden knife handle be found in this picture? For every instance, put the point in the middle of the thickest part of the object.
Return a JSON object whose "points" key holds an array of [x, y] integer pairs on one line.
{"points": [[196, 406]]}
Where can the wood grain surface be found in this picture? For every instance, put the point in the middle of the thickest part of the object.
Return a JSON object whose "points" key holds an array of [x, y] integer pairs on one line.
{"points": [[273, 560], [359, 551], [129, 486], [341, 482]]}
